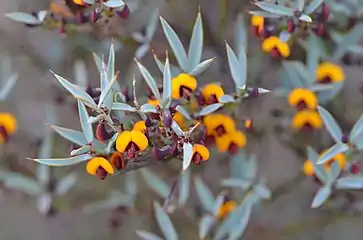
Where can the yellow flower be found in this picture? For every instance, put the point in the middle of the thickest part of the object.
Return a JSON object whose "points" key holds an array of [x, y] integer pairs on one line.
{"points": [[231, 142], [200, 153], [8, 126], [179, 119], [340, 158], [153, 102], [212, 93], [80, 2], [131, 142], [309, 119], [226, 209], [276, 47], [257, 23], [219, 124], [303, 98], [117, 160], [328, 72], [183, 85], [99, 166], [139, 126]]}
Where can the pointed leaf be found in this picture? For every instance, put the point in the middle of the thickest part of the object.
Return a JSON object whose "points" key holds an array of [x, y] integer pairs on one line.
{"points": [[205, 225], [71, 135], [210, 108], [201, 67], [151, 27], [183, 112], [86, 127], [63, 161], [175, 45], [23, 183], [351, 39], [235, 67], [80, 73], [65, 184], [148, 108], [5, 90], [350, 182], [321, 196], [166, 85], [187, 155], [275, 9], [98, 61], [164, 222], [330, 124], [241, 35], [23, 17], [205, 195], [184, 185], [313, 6], [356, 130], [150, 81], [143, 235], [196, 43], [155, 183], [122, 107], [331, 152]]}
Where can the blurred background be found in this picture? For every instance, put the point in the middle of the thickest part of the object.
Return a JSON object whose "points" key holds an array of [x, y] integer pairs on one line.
{"points": [[33, 51]]}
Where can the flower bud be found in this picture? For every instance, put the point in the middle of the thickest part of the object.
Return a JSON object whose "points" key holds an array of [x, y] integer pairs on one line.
{"points": [[167, 118], [355, 168], [325, 12], [101, 132], [95, 16], [160, 154], [290, 26], [124, 13]]}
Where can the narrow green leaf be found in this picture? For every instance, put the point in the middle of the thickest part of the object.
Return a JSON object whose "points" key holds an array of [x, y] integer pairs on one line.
{"points": [[143, 235], [150, 81], [23, 183], [209, 109], [330, 124], [71, 135], [319, 170], [122, 107], [22, 17], [275, 9], [226, 99], [63, 161], [356, 130], [313, 6], [183, 112], [321, 196], [205, 225], [262, 191], [86, 126], [80, 73], [205, 195], [131, 184], [240, 225], [111, 62], [151, 27], [334, 172], [184, 185], [218, 203], [98, 61], [264, 14], [201, 67], [241, 34], [350, 182], [155, 183], [351, 39], [148, 108], [80, 150], [235, 67], [236, 183], [75, 90], [176, 128], [300, 5], [187, 155], [175, 45], [166, 85], [164, 222], [313, 54], [196, 43], [331, 152], [65, 184], [5, 90]]}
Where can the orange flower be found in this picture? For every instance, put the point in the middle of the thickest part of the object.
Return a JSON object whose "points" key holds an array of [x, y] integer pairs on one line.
{"points": [[218, 124], [212, 93], [99, 166], [303, 98], [276, 47], [308, 119], [340, 158], [139, 126], [183, 85], [257, 23], [131, 142], [231, 142], [329, 73], [226, 209], [200, 153], [8, 126]]}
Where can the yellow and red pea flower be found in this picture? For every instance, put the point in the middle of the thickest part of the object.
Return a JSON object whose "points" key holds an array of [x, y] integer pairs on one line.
{"points": [[226, 209], [131, 142], [302, 98], [257, 23], [306, 119], [340, 158], [231, 142], [100, 167], [275, 47], [183, 85], [117, 160], [218, 124], [212, 92], [8, 126], [139, 126], [200, 153], [328, 72]]}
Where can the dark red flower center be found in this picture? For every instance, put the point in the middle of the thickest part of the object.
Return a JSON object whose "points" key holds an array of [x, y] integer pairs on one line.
{"points": [[233, 148], [197, 158], [326, 80], [101, 173], [220, 130], [275, 53], [3, 133], [301, 105], [212, 99], [132, 149], [185, 92]]}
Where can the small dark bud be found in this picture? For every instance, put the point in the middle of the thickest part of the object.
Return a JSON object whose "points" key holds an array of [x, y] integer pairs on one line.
{"points": [[320, 30], [355, 168], [94, 16], [160, 154], [149, 122], [254, 92], [325, 12], [101, 133], [290, 26], [201, 99], [167, 118], [124, 13], [345, 139], [80, 18], [174, 149]]}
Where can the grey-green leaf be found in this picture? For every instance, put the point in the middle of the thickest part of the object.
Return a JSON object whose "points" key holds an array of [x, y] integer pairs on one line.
{"points": [[155, 183], [205, 195], [86, 126], [313, 54], [351, 39], [196, 43], [210, 108], [143, 235], [71, 135], [63, 161], [164, 222], [175, 45], [148, 108], [313, 6], [187, 155], [350, 182], [205, 225], [122, 107], [5, 90], [321, 196], [241, 34], [183, 112], [23, 183], [275, 9], [356, 130], [226, 99], [201, 67], [184, 185], [75, 90], [166, 101], [151, 27], [236, 68], [23, 17], [330, 124], [331, 152], [149, 80], [65, 184]]}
